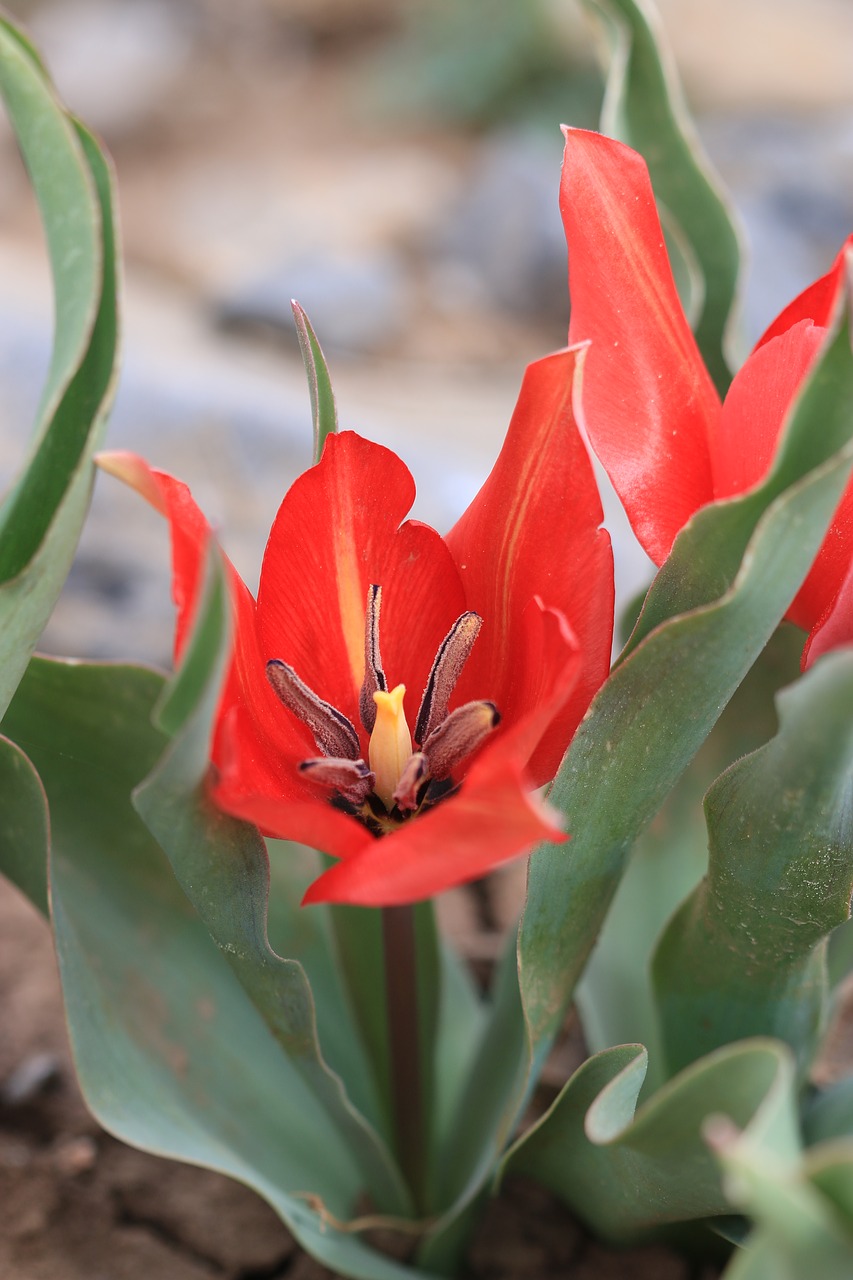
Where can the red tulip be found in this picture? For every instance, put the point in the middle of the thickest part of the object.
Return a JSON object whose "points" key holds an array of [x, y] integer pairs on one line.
{"points": [[650, 409], [394, 698]]}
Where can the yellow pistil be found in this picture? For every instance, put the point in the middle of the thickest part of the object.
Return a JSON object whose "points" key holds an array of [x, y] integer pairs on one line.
{"points": [[390, 743]]}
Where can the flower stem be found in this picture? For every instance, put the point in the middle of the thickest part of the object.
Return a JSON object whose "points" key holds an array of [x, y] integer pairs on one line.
{"points": [[401, 1002]]}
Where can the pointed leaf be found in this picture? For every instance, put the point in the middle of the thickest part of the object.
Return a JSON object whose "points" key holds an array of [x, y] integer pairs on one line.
{"points": [[41, 517], [644, 106], [324, 411]]}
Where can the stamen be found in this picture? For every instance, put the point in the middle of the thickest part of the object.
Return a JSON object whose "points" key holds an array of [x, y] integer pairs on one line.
{"points": [[374, 676], [350, 778], [390, 743], [453, 653], [457, 736], [333, 733], [411, 780]]}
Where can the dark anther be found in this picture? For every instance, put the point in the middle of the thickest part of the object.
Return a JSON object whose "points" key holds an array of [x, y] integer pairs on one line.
{"points": [[351, 779], [374, 676], [453, 653], [334, 734], [411, 781], [457, 736]]}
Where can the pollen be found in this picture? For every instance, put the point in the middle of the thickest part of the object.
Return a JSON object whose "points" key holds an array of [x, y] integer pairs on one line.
{"points": [[390, 743]]}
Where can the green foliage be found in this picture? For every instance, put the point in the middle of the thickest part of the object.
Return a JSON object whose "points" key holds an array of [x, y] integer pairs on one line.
{"points": [[746, 952], [324, 411], [41, 517], [625, 1170]]}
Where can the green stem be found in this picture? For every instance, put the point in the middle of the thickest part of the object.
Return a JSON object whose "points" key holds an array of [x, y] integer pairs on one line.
{"points": [[401, 1002]]}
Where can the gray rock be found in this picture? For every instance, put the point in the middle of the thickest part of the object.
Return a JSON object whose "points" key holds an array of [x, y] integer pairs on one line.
{"points": [[791, 179], [357, 302], [504, 239], [113, 63]]}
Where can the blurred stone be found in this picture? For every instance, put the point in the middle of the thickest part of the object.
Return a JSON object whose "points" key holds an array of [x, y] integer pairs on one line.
{"points": [[113, 63], [74, 1156], [357, 303], [791, 180], [37, 1072], [504, 239]]}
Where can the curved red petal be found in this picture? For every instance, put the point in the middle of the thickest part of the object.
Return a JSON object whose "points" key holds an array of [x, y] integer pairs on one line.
{"points": [[816, 303], [756, 406], [491, 819], [549, 700], [649, 405], [308, 819], [337, 531], [250, 723], [823, 603], [533, 529], [834, 628]]}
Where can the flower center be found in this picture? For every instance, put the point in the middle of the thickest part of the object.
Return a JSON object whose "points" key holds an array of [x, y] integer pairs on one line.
{"points": [[390, 743], [397, 782]]}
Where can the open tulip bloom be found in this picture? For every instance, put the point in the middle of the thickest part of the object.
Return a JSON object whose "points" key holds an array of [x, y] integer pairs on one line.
{"points": [[650, 409], [394, 698]]}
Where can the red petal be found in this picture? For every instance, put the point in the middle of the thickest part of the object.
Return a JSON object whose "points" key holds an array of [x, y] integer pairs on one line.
{"points": [[547, 704], [816, 303], [823, 604], [307, 817], [337, 531], [533, 529], [251, 725], [756, 406], [649, 405], [834, 627], [493, 818]]}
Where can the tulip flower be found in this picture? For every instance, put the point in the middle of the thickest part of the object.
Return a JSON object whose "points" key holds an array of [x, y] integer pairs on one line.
{"points": [[394, 698], [650, 409]]}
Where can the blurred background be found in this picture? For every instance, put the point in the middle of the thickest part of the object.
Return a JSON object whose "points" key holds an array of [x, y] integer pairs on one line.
{"points": [[394, 165]]}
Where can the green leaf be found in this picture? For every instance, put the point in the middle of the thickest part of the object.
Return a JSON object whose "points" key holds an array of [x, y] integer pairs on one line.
{"points": [[222, 866], [626, 1171], [644, 106], [828, 1113], [483, 1119], [41, 517], [746, 953], [23, 825], [615, 994], [324, 411], [171, 1054], [631, 749], [804, 1209]]}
